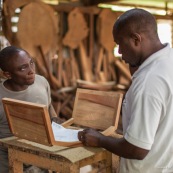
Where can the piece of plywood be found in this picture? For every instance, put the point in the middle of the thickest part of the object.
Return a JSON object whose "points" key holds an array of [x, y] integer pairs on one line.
{"points": [[101, 86], [97, 109], [28, 120]]}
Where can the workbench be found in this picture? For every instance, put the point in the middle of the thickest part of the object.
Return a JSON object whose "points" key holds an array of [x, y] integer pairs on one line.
{"points": [[56, 158]]}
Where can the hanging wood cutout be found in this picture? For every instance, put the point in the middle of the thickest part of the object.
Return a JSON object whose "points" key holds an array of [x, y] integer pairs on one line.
{"points": [[104, 67], [36, 27], [104, 28], [78, 29]]}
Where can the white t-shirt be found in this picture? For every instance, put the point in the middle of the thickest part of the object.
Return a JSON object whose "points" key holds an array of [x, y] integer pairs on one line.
{"points": [[39, 92], [148, 114]]}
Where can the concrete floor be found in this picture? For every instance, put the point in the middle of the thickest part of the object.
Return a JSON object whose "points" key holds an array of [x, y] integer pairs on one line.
{"points": [[86, 169]]}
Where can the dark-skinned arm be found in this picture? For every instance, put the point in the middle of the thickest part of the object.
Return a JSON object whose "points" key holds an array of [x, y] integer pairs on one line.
{"points": [[118, 146], [53, 115]]}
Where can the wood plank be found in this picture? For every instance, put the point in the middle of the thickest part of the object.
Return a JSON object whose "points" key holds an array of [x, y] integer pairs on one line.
{"points": [[29, 120], [102, 98], [63, 7], [85, 64], [97, 109], [101, 86]]}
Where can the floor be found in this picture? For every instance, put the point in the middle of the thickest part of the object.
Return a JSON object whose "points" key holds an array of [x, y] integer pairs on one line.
{"points": [[86, 169]]}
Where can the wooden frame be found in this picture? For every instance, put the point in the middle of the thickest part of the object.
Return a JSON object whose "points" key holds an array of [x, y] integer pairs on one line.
{"points": [[31, 121], [95, 109]]}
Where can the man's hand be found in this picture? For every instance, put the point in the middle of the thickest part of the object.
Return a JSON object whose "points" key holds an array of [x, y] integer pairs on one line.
{"points": [[90, 137]]}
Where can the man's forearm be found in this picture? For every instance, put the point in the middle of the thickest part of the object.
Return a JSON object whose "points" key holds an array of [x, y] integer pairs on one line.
{"points": [[122, 148]]}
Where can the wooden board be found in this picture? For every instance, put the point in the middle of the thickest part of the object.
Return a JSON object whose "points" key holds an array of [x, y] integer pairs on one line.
{"points": [[97, 109], [40, 28], [101, 86], [74, 39], [104, 28], [31, 121], [28, 120], [78, 29]]}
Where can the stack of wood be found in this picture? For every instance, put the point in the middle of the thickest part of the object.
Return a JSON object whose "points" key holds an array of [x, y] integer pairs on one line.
{"points": [[73, 47]]}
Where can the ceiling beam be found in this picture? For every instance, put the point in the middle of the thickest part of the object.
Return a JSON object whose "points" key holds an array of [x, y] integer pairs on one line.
{"points": [[94, 2]]}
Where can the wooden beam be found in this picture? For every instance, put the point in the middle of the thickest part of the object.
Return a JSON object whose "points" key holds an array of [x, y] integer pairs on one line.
{"points": [[94, 2], [67, 8]]}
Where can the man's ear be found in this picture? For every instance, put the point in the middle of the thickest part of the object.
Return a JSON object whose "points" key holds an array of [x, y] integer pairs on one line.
{"points": [[7, 74], [136, 38]]}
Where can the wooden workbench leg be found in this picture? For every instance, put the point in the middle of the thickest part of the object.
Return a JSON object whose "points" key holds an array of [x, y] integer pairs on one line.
{"points": [[109, 163], [74, 168], [14, 165], [102, 167], [108, 170], [105, 166]]}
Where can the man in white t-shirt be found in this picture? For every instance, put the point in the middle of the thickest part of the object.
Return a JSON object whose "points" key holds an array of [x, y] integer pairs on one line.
{"points": [[23, 84], [147, 109]]}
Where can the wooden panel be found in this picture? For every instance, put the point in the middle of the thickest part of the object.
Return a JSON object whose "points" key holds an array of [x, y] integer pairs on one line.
{"points": [[29, 121], [36, 32], [35, 133], [97, 109]]}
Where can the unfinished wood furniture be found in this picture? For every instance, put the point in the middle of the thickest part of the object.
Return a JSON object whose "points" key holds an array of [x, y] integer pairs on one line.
{"points": [[31, 121], [35, 143], [96, 109], [55, 158]]}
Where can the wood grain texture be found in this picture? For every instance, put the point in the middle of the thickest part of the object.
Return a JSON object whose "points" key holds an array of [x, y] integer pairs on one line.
{"points": [[75, 34], [97, 109], [33, 32], [55, 158], [29, 121]]}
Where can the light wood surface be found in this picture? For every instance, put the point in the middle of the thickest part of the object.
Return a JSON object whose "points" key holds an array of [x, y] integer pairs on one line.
{"points": [[31, 121], [55, 158], [97, 109], [33, 32]]}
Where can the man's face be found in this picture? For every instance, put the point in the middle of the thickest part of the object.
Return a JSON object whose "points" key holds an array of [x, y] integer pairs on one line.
{"points": [[127, 47], [22, 69]]}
